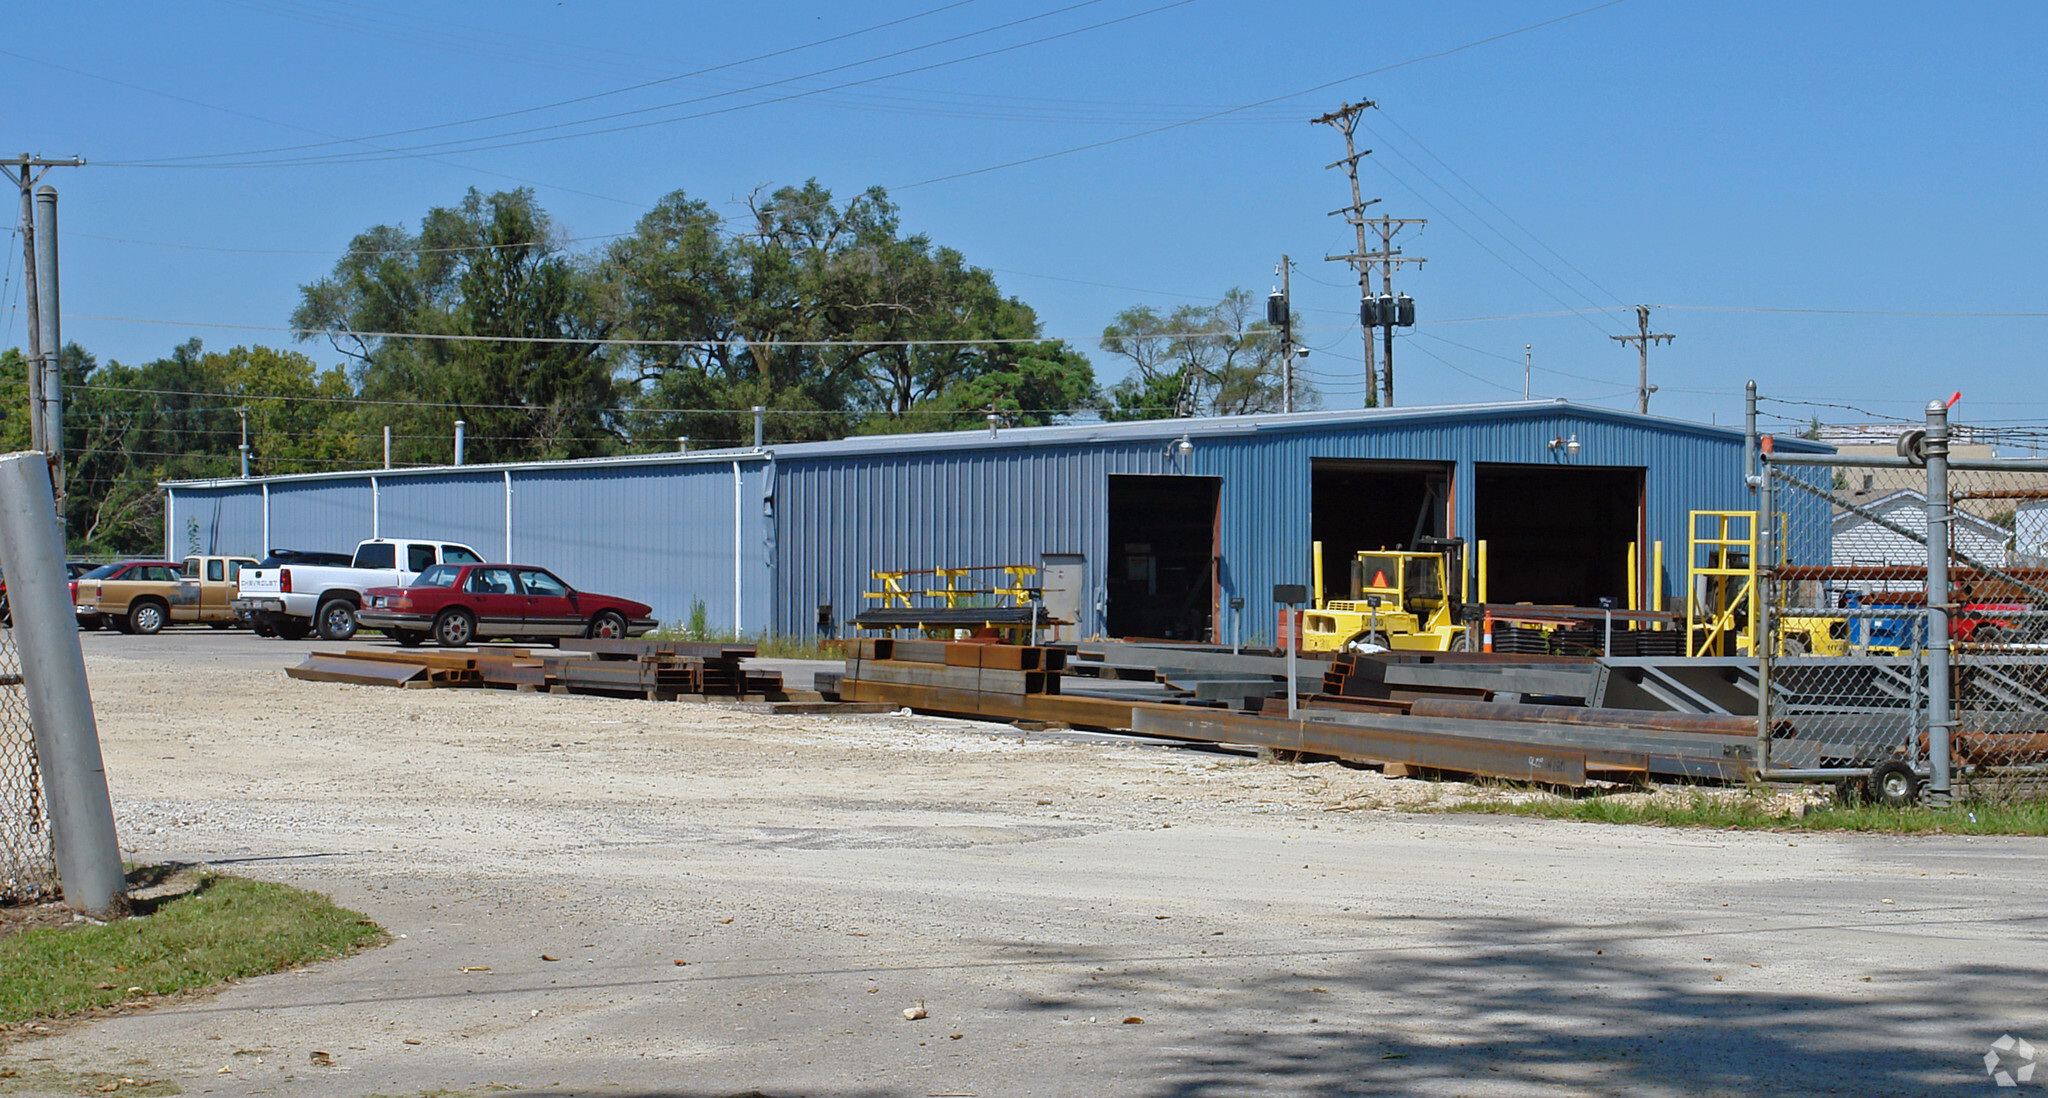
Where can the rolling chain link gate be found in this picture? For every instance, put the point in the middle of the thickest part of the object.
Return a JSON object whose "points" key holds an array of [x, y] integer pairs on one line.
{"points": [[28, 861], [1873, 659]]}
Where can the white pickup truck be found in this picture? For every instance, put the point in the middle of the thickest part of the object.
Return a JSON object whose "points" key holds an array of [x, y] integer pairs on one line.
{"points": [[292, 600]]}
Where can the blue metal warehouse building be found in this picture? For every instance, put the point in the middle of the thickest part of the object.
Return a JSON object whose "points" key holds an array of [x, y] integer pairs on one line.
{"points": [[1149, 528]]}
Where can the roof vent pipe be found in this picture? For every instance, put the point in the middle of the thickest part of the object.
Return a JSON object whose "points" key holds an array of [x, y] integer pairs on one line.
{"points": [[759, 414], [460, 427], [682, 444], [993, 421]]}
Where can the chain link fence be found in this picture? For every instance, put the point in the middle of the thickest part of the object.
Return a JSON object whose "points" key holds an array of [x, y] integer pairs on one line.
{"points": [[1868, 666], [28, 861]]}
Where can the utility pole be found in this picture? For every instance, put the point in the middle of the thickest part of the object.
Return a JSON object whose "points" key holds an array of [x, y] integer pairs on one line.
{"points": [[1642, 339], [45, 380], [1280, 314], [1345, 119], [1389, 258]]}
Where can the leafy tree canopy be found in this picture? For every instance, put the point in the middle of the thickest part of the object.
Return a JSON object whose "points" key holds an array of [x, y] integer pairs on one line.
{"points": [[1200, 360], [825, 312]]}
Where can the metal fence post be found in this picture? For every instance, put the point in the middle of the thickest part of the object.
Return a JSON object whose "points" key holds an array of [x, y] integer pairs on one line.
{"points": [[53, 681], [1941, 718], [1764, 650]]}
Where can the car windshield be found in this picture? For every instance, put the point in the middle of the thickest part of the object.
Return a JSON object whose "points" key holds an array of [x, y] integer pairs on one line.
{"points": [[439, 575], [102, 572]]}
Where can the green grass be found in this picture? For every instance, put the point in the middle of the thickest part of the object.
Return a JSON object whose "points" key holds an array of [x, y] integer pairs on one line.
{"points": [[772, 647], [229, 929], [1752, 810]]}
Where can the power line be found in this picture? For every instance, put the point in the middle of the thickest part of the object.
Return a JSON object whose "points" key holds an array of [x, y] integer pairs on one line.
{"points": [[1259, 103], [769, 56], [1495, 230], [472, 145], [310, 398], [1516, 361], [1498, 208], [1022, 342], [1642, 339], [449, 250], [1447, 363]]}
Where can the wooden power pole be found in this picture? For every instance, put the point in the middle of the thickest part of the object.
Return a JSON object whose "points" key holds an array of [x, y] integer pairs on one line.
{"points": [[1379, 383], [1642, 339], [1345, 119]]}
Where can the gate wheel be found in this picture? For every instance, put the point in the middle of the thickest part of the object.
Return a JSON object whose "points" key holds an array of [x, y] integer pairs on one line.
{"points": [[1894, 784]]}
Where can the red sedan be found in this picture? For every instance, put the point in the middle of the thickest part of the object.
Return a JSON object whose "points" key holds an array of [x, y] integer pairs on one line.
{"points": [[460, 604]]}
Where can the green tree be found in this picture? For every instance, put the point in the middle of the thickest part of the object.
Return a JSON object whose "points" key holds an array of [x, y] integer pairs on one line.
{"points": [[491, 266], [1048, 380], [181, 418], [1213, 360], [826, 315]]}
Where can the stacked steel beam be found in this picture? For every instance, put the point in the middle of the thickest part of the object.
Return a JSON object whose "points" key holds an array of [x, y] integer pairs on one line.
{"points": [[656, 670], [660, 670], [1000, 669]]}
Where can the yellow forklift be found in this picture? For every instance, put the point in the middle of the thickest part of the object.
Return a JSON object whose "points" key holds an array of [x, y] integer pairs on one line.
{"points": [[1404, 600]]}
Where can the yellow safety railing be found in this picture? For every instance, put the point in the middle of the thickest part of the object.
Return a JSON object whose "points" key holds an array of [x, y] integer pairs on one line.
{"points": [[898, 588], [1723, 599]]}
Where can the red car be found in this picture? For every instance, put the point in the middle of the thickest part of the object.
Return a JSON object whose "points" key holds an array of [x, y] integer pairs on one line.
{"points": [[460, 604]]}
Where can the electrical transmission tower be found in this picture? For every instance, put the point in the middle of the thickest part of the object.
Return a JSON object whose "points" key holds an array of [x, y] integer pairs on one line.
{"points": [[1642, 339], [1379, 383]]}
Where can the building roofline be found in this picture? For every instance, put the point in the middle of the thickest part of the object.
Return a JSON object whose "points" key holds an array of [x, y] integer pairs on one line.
{"points": [[1072, 434]]}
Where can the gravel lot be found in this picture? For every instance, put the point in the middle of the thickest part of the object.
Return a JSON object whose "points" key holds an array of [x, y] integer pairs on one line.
{"points": [[608, 897]]}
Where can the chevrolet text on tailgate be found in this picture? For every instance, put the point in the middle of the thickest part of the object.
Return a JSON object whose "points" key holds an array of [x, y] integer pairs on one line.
{"points": [[292, 600]]}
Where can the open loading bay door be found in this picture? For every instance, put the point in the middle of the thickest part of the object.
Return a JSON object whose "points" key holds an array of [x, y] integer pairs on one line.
{"points": [[1162, 557], [1360, 506], [1558, 536]]}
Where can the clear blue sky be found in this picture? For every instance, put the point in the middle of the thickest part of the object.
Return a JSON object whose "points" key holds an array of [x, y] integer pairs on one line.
{"points": [[1791, 184]]}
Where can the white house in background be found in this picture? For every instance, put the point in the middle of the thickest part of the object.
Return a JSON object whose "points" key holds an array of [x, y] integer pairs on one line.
{"points": [[2030, 534], [1859, 541]]}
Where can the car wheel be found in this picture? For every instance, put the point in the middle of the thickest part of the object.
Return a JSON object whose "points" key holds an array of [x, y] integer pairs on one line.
{"points": [[293, 629], [408, 638], [607, 625], [336, 620], [1894, 784], [146, 618], [263, 627], [454, 629], [89, 622]]}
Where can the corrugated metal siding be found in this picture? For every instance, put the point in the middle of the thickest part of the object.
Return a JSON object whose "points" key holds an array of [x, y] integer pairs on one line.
{"points": [[227, 523], [468, 508], [815, 522], [842, 517], [839, 520], [325, 517], [659, 534]]}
